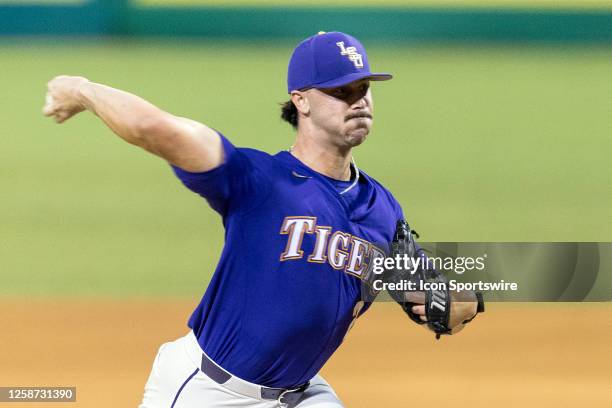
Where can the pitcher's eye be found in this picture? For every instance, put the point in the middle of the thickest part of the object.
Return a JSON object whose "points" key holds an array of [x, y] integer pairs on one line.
{"points": [[340, 91]]}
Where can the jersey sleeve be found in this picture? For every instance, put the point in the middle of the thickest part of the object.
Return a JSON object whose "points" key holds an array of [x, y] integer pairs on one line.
{"points": [[229, 185], [399, 213]]}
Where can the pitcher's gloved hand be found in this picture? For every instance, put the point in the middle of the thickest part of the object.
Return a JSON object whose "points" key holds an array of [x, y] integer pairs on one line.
{"points": [[463, 308], [444, 311]]}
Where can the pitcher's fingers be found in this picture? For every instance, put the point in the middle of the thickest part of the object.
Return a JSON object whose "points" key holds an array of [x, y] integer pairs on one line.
{"points": [[49, 107], [420, 310], [61, 116]]}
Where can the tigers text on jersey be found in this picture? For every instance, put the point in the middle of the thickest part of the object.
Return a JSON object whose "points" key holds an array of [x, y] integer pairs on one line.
{"points": [[287, 286]]}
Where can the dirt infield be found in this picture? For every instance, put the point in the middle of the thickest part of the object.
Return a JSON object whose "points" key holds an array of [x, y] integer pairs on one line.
{"points": [[515, 355]]}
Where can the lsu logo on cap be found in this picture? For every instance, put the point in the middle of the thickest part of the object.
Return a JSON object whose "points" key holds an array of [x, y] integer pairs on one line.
{"points": [[352, 53]]}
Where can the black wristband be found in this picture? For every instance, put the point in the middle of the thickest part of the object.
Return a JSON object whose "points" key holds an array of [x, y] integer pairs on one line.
{"points": [[481, 305]]}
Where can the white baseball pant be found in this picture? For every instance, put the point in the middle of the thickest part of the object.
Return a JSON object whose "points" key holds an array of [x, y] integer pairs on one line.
{"points": [[176, 381]]}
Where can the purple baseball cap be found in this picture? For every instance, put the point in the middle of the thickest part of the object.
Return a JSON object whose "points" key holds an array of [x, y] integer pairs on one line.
{"points": [[328, 60]]}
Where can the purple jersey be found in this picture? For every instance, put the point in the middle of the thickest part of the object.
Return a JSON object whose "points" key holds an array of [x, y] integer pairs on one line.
{"points": [[285, 290]]}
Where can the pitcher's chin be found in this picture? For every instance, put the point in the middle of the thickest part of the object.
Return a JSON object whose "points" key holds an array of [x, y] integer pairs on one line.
{"points": [[357, 136]]}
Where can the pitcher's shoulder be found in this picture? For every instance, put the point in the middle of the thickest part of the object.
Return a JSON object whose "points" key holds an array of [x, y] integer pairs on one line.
{"points": [[384, 192]]}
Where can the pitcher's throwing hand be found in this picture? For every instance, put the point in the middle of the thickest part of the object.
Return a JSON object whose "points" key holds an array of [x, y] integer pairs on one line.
{"points": [[62, 100]]}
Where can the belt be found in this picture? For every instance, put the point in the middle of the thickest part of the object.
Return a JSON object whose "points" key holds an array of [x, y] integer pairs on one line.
{"points": [[220, 376]]}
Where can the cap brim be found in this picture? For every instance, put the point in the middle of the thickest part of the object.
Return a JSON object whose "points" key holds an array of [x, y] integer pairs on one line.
{"points": [[347, 79]]}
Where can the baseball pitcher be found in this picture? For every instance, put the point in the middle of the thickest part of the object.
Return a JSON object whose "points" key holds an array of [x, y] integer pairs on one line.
{"points": [[300, 230]]}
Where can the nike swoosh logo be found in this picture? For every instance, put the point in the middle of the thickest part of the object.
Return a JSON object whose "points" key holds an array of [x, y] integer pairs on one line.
{"points": [[299, 175]]}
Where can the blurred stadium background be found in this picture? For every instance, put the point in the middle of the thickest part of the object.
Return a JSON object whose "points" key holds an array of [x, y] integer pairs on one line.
{"points": [[496, 128]]}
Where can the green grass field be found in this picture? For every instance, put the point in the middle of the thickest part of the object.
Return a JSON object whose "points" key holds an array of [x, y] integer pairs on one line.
{"points": [[499, 143]]}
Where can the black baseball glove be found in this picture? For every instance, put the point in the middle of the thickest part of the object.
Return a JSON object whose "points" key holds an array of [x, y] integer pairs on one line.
{"points": [[429, 287]]}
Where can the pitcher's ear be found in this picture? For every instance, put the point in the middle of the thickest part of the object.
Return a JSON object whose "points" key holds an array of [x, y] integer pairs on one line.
{"points": [[301, 102]]}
